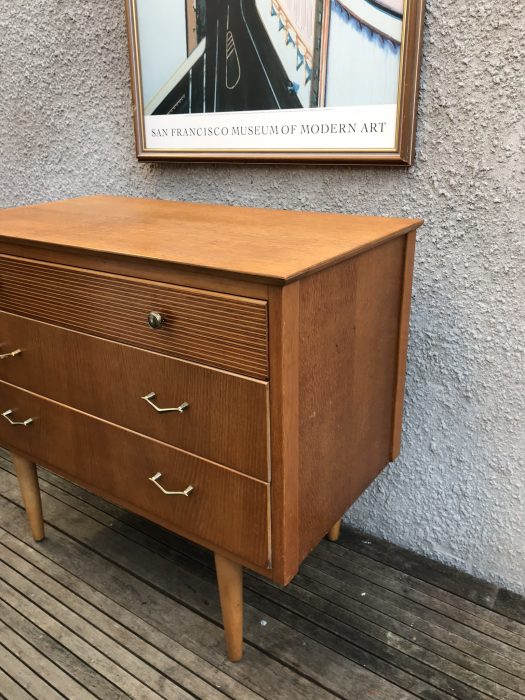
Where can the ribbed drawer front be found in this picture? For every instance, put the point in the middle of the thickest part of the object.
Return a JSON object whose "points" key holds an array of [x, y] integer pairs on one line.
{"points": [[226, 419], [221, 330], [224, 508]]}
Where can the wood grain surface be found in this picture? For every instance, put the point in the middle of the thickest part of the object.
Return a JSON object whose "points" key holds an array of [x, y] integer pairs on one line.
{"points": [[225, 508], [261, 244], [216, 329], [350, 317], [227, 419]]}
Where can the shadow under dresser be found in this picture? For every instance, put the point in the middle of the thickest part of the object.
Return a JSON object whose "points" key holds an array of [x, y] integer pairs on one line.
{"points": [[235, 375]]}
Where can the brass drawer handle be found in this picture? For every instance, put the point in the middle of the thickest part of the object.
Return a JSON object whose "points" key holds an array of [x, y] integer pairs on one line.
{"points": [[179, 409], [155, 480], [7, 415], [10, 354]]}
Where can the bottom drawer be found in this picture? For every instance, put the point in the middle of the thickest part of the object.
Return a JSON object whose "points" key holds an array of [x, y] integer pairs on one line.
{"points": [[223, 508]]}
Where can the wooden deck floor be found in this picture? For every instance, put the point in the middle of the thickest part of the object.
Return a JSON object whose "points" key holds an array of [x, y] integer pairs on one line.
{"points": [[110, 606]]}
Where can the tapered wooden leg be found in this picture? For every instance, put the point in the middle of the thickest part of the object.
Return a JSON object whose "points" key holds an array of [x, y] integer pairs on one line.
{"points": [[28, 482], [229, 578], [333, 532]]}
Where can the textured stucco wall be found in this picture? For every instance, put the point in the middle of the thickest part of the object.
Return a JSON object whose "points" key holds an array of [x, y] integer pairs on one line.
{"points": [[458, 492]]}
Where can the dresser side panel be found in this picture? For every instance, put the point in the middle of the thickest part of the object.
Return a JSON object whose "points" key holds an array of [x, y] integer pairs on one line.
{"points": [[349, 335]]}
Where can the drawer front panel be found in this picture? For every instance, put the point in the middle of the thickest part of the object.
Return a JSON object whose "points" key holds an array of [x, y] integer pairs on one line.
{"points": [[224, 508], [226, 420], [216, 329]]}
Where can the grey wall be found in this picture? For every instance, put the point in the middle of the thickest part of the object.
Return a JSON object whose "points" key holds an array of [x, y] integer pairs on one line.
{"points": [[457, 493]]}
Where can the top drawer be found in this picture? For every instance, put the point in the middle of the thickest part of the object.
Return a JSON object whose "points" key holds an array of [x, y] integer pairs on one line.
{"points": [[221, 330]]}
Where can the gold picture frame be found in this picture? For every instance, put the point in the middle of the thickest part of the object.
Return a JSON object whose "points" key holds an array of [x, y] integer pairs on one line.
{"points": [[320, 133]]}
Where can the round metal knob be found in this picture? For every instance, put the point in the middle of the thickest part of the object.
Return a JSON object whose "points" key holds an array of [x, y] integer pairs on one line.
{"points": [[155, 319]]}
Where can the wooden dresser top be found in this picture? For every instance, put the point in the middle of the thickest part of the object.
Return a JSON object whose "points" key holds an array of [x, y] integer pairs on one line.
{"points": [[262, 245]]}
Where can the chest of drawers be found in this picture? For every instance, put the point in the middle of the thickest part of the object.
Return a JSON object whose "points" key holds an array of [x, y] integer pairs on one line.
{"points": [[234, 375]]}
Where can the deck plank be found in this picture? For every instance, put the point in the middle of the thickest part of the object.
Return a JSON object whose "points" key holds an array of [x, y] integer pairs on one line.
{"points": [[59, 654], [414, 654], [13, 587], [261, 673], [55, 676], [408, 627], [465, 586], [105, 579], [430, 609], [421, 592], [25, 676], [162, 651], [112, 627], [10, 690], [276, 594], [497, 621], [352, 652], [407, 680], [285, 645]]}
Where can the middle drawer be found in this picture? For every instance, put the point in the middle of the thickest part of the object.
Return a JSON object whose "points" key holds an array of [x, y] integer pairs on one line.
{"points": [[226, 419]]}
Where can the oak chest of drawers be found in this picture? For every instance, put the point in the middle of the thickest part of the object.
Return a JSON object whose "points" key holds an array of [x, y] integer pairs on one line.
{"points": [[234, 375]]}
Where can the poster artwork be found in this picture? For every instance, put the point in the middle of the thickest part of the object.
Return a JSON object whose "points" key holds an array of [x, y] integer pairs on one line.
{"points": [[278, 75]]}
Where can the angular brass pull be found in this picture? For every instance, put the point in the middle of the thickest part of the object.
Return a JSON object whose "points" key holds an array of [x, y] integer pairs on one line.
{"points": [[7, 415], [155, 480], [10, 354], [179, 409]]}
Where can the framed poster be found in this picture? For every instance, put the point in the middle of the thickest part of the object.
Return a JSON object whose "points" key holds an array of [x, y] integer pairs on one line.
{"points": [[275, 80]]}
